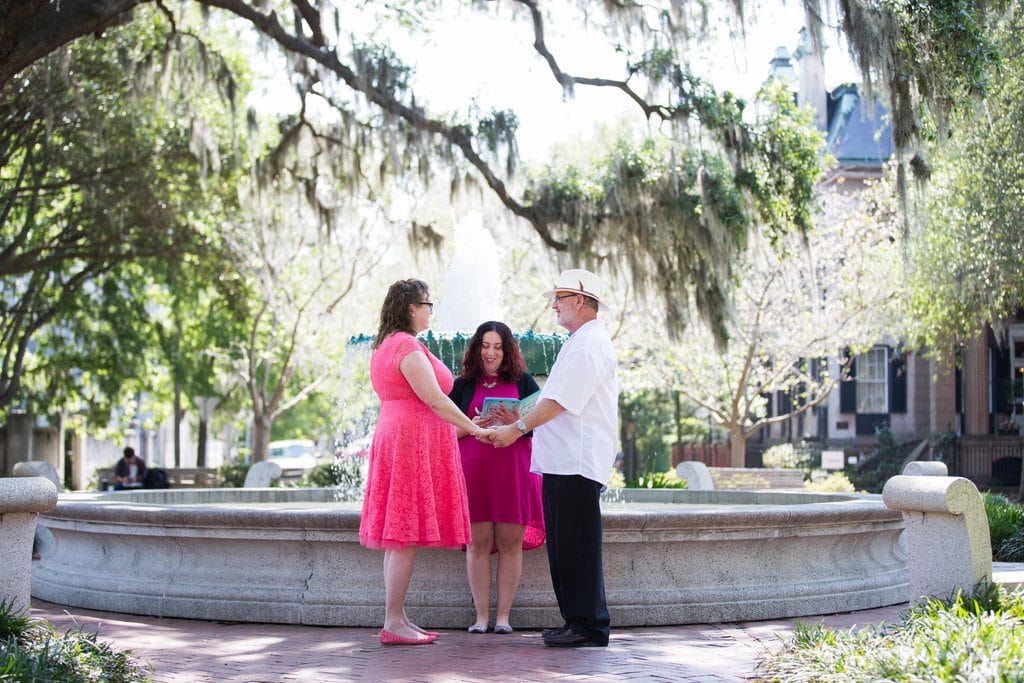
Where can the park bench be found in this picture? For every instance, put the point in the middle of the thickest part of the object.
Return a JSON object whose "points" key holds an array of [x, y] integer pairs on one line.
{"points": [[756, 478], [177, 477]]}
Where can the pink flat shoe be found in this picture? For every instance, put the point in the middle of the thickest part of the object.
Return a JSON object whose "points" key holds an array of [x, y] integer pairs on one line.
{"points": [[435, 634], [389, 638]]}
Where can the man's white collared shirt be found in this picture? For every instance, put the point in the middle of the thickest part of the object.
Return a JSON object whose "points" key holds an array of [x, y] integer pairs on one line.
{"points": [[584, 380]]}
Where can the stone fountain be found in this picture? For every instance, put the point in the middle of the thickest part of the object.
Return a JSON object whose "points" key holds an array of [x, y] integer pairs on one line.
{"points": [[293, 556]]}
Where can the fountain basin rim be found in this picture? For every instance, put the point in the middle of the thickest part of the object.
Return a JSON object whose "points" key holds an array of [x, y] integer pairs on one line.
{"points": [[305, 565], [232, 508], [201, 496]]}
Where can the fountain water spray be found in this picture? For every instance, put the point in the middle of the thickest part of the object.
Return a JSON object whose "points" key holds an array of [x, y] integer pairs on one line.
{"points": [[471, 290]]}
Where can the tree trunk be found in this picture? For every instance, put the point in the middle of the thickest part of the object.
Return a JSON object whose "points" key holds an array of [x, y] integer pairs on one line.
{"points": [[19, 436], [177, 425], [201, 445], [629, 463], [260, 437], [737, 449], [678, 414]]}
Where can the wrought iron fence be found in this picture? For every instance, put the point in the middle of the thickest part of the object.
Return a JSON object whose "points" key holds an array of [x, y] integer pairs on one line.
{"points": [[988, 460]]}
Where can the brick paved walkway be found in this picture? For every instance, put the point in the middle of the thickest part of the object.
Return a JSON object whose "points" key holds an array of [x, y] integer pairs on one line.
{"points": [[183, 650]]}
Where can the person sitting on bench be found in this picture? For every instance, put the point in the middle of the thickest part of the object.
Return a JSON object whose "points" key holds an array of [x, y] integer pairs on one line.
{"points": [[130, 472]]}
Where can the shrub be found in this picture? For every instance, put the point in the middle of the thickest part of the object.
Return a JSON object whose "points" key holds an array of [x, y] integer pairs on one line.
{"points": [[885, 461], [322, 475], [966, 638], [660, 480], [1005, 527], [12, 624], [947, 443], [801, 455], [33, 651], [232, 474], [344, 474], [1012, 549], [836, 482], [780, 455], [616, 480]]}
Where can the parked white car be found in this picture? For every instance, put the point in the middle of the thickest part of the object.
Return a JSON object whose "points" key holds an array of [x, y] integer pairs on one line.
{"points": [[295, 456]]}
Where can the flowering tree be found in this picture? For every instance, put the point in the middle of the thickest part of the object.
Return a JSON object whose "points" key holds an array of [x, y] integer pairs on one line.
{"points": [[795, 304], [298, 318]]}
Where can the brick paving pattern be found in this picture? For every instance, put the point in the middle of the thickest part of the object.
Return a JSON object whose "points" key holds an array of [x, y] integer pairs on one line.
{"points": [[187, 651]]}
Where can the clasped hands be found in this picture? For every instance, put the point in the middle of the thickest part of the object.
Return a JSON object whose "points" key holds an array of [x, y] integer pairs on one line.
{"points": [[498, 427]]}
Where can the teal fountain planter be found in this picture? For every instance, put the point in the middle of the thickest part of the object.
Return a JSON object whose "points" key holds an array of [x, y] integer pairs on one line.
{"points": [[539, 350]]}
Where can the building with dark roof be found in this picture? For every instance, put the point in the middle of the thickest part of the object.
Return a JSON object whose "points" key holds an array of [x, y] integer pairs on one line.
{"points": [[858, 136], [980, 402]]}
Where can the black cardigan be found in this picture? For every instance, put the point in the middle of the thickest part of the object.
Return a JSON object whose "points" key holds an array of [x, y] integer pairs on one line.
{"points": [[463, 390]]}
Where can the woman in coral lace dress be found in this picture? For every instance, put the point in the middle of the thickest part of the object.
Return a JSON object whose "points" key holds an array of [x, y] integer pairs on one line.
{"points": [[505, 508], [415, 489]]}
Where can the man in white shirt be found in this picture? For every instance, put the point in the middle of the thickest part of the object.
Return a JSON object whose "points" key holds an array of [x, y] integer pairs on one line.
{"points": [[575, 438]]}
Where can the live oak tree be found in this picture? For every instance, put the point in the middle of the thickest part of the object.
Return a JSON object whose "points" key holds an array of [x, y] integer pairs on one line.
{"points": [[967, 256], [97, 187], [928, 55], [124, 171], [671, 215], [195, 307]]}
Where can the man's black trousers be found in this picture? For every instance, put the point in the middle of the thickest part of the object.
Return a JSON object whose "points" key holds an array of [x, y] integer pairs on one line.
{"points": [[572, 517]]}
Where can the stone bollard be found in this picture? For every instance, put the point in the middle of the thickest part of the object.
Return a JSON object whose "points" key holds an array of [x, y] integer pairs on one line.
{"points": [[21, 500], [696, 474], [946, 530], [261, 475], [926, 468], [37, 468]]}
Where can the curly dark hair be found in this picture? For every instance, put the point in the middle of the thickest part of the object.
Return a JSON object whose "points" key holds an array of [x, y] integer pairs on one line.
{"points": [[394, 313], [512, 364]]}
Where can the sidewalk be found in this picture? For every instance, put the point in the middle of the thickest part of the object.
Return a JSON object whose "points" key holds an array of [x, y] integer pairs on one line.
{"points": [[182, 650], [187, 651]]}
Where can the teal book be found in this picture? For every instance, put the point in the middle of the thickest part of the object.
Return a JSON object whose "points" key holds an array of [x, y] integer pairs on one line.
{"points": [[525, 404]]}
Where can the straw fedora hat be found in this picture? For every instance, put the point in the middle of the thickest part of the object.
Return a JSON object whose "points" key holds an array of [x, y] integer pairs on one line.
{"points": [[579, 281]]}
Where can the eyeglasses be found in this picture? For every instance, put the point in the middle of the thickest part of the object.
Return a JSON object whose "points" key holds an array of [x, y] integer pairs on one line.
{"points": [[564, 296], [428, 304]]}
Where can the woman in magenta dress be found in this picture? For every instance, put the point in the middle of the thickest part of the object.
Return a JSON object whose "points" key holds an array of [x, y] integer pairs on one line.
{"points": [[415, 489], [505, 507]]}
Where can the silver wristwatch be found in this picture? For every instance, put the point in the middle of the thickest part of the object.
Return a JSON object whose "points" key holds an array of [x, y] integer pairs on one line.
{"points": [[521, 426]]}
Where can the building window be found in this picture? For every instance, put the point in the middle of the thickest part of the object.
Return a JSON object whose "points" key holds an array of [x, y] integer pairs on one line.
{"points": [[872, 373]]}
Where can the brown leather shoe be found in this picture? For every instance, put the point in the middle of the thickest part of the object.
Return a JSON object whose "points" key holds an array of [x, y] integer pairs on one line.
{"points": [[569, 638], [548, 632]]}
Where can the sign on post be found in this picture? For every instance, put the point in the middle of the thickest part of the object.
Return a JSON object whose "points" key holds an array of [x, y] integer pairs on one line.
{"points": [[832, 460]]}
